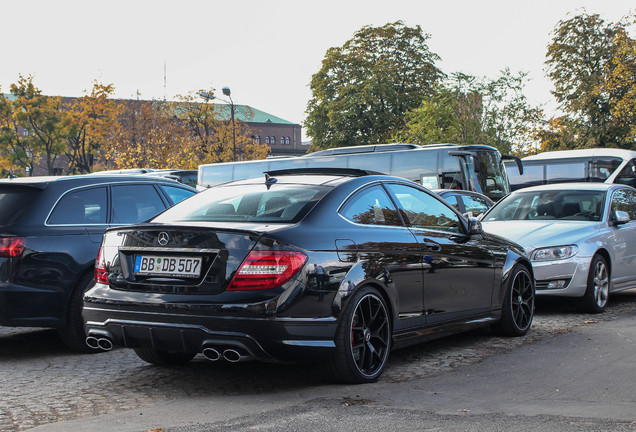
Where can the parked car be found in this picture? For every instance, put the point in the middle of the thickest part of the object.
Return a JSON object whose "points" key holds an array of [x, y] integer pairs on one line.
{"points": [[50, 232], [580, 237], [188, 177], [468, 203], [325, 264]]}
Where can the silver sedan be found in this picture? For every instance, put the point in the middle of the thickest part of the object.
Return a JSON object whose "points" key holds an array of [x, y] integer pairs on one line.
{"points": [[580, 237]]}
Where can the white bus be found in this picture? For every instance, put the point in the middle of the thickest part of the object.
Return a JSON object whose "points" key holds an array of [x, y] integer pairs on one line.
{"points": [[606, 165], [438, 166]]}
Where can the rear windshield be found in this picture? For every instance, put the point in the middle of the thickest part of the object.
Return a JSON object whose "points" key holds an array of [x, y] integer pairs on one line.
{"points": [[247, 203], [14, 201]]}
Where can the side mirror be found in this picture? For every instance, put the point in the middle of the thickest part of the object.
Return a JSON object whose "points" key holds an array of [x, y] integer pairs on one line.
{"points": [[474, 227], [621, 217]]}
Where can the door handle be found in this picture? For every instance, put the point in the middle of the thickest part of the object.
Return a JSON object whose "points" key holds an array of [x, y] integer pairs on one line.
{"points": [[432, 246]]}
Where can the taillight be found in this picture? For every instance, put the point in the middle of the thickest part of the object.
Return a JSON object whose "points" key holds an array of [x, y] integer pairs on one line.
{"points": [[11, 247], [100, 268], [267, 269]]}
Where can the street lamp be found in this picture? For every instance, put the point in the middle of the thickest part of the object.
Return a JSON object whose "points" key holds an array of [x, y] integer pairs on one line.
{"points": [[227, 92]]}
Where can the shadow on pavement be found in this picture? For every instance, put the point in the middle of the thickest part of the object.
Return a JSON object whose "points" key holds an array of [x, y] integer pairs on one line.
{"points": [[30, 343]]}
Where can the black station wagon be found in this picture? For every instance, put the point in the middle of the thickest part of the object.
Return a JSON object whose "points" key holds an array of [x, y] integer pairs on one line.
{"points": [[50, 232], [330, 265]]}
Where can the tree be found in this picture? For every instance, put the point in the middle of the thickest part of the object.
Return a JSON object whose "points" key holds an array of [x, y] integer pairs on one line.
{"points": [[470, 110], [363, 88], [149, 138], [184, 134], [621, 86], [211, 129], [580, 60], [90, 119], [41, 116]]}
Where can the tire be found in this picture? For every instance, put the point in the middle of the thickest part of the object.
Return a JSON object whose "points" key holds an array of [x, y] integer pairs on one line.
{"points": [[518, 304], [73, 334], [363, 340], [164, 358], [598, 284]]}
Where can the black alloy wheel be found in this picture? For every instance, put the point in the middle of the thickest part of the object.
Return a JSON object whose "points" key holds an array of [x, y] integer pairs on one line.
{"points": [[518, 305], [363, 340]]}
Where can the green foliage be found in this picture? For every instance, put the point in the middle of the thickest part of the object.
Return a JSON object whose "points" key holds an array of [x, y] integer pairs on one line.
{"points": [[582, 58], [42, 118], [470, 110], [365, 87]]}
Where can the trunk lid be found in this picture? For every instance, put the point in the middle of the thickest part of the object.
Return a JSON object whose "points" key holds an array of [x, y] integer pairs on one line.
{"points": [[178, 260]]}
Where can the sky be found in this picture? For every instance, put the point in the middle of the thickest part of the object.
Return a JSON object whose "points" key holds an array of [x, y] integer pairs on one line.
{"points": [[266, 51]]}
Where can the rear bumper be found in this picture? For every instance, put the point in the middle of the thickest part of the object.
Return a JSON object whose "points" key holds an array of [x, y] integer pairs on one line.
{"points": [[265, 339]]}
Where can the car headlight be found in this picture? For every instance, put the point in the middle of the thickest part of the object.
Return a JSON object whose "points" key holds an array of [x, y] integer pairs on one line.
{"points": [[554, 253]]}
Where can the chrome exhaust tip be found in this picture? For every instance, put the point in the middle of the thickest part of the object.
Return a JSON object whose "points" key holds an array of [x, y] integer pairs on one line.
{"points": [[92, 342], [105, 344], [211, 354], [231, 355]]}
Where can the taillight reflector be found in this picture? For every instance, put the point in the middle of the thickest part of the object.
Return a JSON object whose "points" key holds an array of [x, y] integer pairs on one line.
{"points": [[267, 269], [11, 247], [100, 268]]}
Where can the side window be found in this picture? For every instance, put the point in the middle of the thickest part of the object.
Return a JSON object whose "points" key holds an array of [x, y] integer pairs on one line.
{"points": [[135, 203], [452, 200], [371, 206], [623, 200], [475, 205], [627, 175], [452, 173], [81, 207], [177, 194], [424, 211]]}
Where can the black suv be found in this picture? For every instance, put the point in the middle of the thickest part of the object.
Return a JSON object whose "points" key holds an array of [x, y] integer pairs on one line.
{"points": [[50, 232]]}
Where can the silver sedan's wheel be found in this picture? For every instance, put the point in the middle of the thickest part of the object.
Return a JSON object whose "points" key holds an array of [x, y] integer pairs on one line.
{"points": [[598, 284]]}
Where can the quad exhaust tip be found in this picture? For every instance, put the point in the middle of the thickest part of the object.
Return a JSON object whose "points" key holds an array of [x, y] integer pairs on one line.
{"points": [[102, 343], [228, 354]]}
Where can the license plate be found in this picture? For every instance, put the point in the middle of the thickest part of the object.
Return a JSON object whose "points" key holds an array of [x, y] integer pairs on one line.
{"points": [[175, 266]]}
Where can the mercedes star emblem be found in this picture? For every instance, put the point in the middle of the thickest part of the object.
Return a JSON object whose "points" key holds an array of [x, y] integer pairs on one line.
{"points": [[163, 238]]}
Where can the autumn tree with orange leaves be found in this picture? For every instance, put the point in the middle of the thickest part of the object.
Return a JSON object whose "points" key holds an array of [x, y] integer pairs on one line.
{"points": [[91, 122]]}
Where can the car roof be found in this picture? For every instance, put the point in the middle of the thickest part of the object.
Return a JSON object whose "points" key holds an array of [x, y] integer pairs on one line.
{"points": [[44, 181], [310, 176], [589, 186]]}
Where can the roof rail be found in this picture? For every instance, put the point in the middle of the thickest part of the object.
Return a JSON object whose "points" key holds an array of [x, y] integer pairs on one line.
{"points": [[350, 172], [362, 149]]}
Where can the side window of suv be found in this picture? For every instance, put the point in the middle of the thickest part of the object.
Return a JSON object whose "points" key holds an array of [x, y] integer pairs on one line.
{"points": [[81, 207], [135, 203], [177, 194]]}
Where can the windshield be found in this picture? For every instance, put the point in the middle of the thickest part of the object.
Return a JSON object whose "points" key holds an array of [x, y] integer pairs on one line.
{"points": [[247, 203], [545, 205], [492, 177]]}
